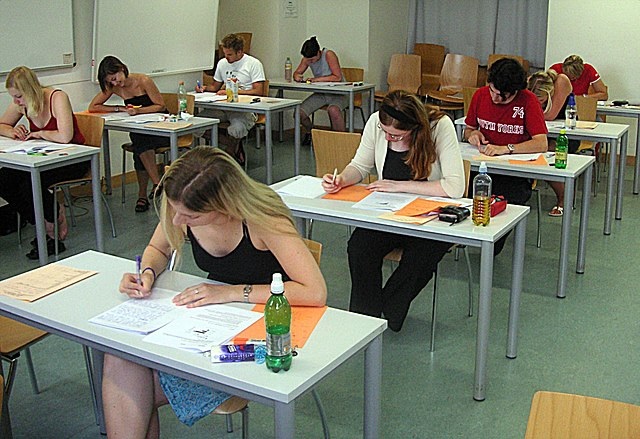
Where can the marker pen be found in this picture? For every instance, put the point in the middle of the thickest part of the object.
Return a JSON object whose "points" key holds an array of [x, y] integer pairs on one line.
{"points": [[138, 273]]}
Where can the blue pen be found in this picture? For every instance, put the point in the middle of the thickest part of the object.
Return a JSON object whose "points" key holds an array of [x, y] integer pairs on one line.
{"points": [[198, 85], [138, 263]]}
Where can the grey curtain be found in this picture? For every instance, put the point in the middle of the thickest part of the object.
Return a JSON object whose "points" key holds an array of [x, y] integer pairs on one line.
{"points": [[479, 28]]}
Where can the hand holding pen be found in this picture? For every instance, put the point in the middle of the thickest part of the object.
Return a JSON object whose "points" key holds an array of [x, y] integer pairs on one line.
{"points": [[138, 285], [20, 132], [199, 87], [332, 183]]}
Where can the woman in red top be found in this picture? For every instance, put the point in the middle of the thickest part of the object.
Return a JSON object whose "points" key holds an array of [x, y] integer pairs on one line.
{"points": [[50, 117]]}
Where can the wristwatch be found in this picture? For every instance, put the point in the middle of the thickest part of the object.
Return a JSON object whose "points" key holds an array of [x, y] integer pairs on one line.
{"points": [[246, 291], [511, 148]]}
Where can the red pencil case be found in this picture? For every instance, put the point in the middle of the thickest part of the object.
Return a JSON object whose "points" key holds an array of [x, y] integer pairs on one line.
{"points": [[498, 204]]}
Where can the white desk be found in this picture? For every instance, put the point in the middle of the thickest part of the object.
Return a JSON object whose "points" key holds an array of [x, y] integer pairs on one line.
{"points": [[632, 111], [614, 134], [515, 217], [576, 166], [198, 124], [37, 164], [67, 312], [348, 90], [267, 106]]}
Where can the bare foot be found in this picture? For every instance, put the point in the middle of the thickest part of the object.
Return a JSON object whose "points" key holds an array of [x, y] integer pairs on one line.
{"points": [[63, 227]]}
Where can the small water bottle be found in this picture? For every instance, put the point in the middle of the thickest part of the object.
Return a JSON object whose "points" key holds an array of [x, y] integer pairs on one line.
{"points": [[288, 69], [481, 214], [571, 113], [182, 98], [562, 149], [277, 321]]}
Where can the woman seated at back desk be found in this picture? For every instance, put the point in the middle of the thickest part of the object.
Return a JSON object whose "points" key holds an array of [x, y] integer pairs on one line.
{"points": [[241, 233], [51, 118], [140, 96]]}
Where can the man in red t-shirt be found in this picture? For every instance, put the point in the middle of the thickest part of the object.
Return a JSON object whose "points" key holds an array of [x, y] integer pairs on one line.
{"points": [[584, 78], [506, 118]]}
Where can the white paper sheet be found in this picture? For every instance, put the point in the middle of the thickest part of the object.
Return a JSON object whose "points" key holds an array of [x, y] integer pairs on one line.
{"points": [[141, 315], [31, 146], [208, 96], [305, 187], [385, 201], [201, 328]]}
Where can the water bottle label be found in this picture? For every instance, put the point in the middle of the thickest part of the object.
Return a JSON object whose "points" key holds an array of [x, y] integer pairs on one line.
{"points": [[278, 345]]}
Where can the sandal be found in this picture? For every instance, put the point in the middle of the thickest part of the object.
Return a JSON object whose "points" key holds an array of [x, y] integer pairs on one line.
{"points": [[556, 211], [155, 191], [142, 205], [51, 248]]}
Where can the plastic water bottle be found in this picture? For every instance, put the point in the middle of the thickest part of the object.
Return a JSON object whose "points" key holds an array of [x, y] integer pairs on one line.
{"points": [[182, 98], [481, 197], [288, 69], [277, 320], [571, 113], [562, 149]]}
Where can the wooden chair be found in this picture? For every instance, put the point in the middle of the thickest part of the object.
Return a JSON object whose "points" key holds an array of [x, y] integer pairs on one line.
{"points": [[405, 73], [570, 416], [496, 56], [355, 74], [432, 56], [91, 127], [395, 255], [587, 107], [184, 142], [458, 71], [467, 95]]}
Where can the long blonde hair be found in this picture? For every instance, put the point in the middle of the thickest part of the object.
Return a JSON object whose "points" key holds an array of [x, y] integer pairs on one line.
{"points": [[26, 82], [404, 111], [207, 179], [542, 84]]}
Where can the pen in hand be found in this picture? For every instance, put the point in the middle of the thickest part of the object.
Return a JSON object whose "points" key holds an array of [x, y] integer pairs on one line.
{"points": [[138, 274], [335, 174]]}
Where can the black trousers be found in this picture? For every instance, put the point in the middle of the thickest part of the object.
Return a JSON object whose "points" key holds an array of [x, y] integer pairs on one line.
{"points": [[367, 249], [15, 188]]}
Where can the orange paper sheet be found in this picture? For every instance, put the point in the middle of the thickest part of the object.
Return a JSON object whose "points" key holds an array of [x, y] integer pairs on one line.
{"points": [[540, 161], [353, 193], [421, 206], [303, 321]]}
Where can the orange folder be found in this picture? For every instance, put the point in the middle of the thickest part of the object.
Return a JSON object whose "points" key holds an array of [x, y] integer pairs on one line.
{"points": [[350, 193], [303, 321], [540, 161], [421, 206]]}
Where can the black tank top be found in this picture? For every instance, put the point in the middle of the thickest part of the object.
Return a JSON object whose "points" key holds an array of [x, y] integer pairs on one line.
{"points": [[243, 265], [394, 166], [142, 100]]}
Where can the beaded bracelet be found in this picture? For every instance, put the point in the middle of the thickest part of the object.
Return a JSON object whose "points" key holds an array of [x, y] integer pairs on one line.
{"points": [[152, 272]]}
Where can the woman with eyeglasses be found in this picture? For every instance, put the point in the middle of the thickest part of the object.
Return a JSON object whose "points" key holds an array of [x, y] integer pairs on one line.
{"points": [[552, 90], [414, 150]]}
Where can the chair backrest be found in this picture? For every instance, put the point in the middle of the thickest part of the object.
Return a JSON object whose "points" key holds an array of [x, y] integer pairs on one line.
{"points": [[91, 127], [315, 248], [458, 71], [16, 336], [570, 416], [171, 102], [496, 56], [354, 74], [467, 94], [432, 57], [466, 164], [587, 107], [333, 149], [405, 73]]}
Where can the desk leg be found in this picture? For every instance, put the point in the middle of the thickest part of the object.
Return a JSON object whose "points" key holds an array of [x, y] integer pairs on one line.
{"points": [[351, 111], [269, 147], [621, 167], [484, 319], [301, 225], [174, 146], [285, 425], [296, 140], [214, 135], [569, 187], [372, 388], [5, 422], [98, 362], [280, 94], [636, 171], [584, 219], [608, 209], [106, 157], [39, 213], [97, 201], [516, 288]]}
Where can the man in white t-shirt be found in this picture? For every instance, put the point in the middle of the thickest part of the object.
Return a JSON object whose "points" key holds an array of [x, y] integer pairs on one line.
{"points": [[250, 74]]}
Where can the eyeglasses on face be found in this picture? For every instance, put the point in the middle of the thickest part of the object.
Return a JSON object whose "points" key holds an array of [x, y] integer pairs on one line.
{"points": [[394, 137]]}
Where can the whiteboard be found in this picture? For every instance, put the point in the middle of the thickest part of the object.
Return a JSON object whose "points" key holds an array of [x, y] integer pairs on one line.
{"points": [[156, 37], [37, 34]]}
